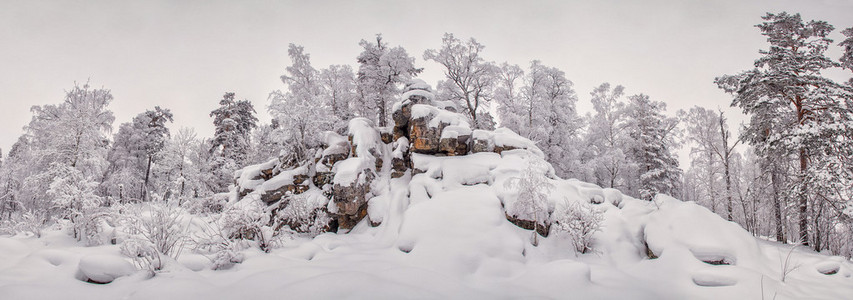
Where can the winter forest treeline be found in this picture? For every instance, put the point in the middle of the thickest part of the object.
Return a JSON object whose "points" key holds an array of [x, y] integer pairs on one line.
{"points": [[786, 174]]}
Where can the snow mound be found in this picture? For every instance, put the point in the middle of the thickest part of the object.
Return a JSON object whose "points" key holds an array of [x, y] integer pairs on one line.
{"points": [[103, 268]]}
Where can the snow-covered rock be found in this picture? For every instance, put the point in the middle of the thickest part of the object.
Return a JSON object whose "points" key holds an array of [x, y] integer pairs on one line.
{"points": [[103, 268]]}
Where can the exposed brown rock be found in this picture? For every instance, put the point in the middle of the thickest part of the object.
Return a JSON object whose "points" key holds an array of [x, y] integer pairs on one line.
{"points": [[541, 229], [351, 200]]}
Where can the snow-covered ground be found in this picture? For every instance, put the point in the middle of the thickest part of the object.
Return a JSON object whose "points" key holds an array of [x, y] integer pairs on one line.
{"points": [[444, 235]]}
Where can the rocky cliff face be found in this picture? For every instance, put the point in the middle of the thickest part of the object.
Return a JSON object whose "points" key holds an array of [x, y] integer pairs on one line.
{"points": [[348, 170]]}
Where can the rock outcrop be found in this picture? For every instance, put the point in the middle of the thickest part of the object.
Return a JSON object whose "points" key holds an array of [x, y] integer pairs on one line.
{"points": [[345, 169]]}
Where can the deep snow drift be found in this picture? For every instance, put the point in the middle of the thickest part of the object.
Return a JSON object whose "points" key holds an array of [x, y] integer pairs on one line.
{"points": [[450, 239]]}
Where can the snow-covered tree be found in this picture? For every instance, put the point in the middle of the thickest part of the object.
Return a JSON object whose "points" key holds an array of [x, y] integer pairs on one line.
{"points": [[134, 152], [509, 80], [533, 189], [607, 139], [794, 111], [469, 78], [847, 57], [339, 92], [234, 121], [73, 132], [265, 145], [380, 73], [654, 140], [545, 113], [301, 111], [180, 167], [72, 197]]}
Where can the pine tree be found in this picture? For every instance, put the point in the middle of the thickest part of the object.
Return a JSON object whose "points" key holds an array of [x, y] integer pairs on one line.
{"points": [[847, 57], [654, 137], [234, 121], [793, 109]]}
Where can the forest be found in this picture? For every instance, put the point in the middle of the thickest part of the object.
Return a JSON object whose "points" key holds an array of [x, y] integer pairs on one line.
{"points": [[785, 175]]}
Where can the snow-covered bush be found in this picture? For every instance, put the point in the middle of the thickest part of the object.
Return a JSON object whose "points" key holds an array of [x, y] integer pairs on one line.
{"points": [[304, 213], [248, 220], [73, 197], [154, 232], [206, 205], [579, 220], [533, 190]]}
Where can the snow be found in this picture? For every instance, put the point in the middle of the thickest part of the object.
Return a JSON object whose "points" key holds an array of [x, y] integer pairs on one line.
{"points": [[280, 180], [104, 268], [335, 143], [347, 171], [438, 116], [246, 176], [443, 234], [364, 137]]}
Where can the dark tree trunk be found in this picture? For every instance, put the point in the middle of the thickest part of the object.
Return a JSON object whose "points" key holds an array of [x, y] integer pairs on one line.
{"points": [[777, 202]]}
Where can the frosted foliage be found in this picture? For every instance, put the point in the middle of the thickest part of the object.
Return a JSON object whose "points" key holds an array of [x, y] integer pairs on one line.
{"points": [[244, 220], [654, 139], [72, 197], [533, 192], [579, 220], [73, 132], [153, 232], [380, 73], [544, 112], [302, 112], [469, 78], [306, 211], [606, 139]]}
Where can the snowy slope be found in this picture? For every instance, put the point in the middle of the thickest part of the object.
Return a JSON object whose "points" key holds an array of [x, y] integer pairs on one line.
{"points": [[444, 234]]}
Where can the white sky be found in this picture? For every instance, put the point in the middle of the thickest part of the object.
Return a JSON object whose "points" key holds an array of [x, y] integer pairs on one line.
{"points": [[183, 55]]}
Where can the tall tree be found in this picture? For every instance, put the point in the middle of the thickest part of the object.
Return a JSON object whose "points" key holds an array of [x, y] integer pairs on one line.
{"points": [[300, 111], [847, 57], [135, 150], [75, 131], [790, 104], [507, 94], [380, 73], [654, 139], [338, 85], [606, 137], [234, 121], [469, 78]]}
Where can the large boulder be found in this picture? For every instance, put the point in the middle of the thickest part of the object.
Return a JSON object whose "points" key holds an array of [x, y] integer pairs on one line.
{"points": [[293, 181], [351, 190], [427, 126]]}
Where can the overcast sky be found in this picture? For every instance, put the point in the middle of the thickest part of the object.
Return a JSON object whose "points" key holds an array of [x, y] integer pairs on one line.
{"points": [[183, 55]]}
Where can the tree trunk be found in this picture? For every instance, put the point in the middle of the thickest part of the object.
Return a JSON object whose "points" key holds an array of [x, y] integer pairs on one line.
{"points": [[147, 176], [803, 200], [777, 202], [726, 159]]}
